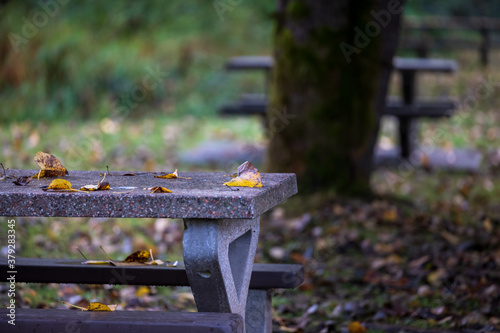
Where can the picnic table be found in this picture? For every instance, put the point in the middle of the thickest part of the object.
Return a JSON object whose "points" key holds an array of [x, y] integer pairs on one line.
{"points": [[219, 242], [406, 110]]}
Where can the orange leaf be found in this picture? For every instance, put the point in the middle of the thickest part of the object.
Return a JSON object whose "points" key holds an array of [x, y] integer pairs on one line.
{"points": [[356, 327], [49, 165], [248, 176], [159, 189]]}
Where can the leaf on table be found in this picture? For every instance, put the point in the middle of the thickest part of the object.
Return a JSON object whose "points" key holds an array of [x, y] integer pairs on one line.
{"points": [[101, 185], [61, 185], [356, 327], [138, 256], [49, 165], [173, 175], [5, 176], [22, 181], [159, 189], [248, 176]]}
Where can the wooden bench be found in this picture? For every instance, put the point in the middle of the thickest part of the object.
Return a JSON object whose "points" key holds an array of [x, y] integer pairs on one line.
{"points": [[406, 110], [219, 243]]}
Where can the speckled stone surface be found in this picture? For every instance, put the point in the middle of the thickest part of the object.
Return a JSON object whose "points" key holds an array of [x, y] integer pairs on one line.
{"points": [[203, 196]]}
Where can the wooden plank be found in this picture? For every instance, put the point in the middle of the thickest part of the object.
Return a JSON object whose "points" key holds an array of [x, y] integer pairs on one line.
{"points": [[250, 62], [264, 276], [57, 320], [425, 65], [432, 109]]}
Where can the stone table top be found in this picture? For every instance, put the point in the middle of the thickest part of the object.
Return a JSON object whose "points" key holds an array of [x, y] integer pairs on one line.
{"points": [[203, 196]]}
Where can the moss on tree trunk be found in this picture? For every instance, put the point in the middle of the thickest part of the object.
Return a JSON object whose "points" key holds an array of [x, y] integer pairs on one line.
{"points": [[326, 102]]}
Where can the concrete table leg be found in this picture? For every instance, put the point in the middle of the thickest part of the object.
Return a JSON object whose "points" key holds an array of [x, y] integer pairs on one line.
{"points": [[219, 256], [259, 311]]}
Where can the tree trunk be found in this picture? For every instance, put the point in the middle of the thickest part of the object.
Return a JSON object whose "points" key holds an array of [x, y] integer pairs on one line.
{"points": [[332, 65]]}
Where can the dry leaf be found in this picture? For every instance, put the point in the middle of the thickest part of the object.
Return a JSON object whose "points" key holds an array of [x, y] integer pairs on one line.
{"points": [[159, 189], [101, 185], [356, 327], [173, 175], [138, 256], [60, 185], [23, 181], [49, 165], [248, 176], [95, 306]]}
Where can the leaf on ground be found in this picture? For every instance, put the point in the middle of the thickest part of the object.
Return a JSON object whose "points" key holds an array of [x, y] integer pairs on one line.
{"points": [[248, 176], [356, 327], [49, 165], [22, 181], [159, 189], [60, 185], [173, 175]]}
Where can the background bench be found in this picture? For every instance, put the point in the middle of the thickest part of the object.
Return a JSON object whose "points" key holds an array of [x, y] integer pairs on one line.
{"points": [[406, 109]]}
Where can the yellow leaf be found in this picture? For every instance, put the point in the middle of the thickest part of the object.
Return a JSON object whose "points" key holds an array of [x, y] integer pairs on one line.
{"points": [[142, 291], [173, 175], [60, 185], [96, 306], [97, 262], [488, 226], [138, 256], [159, 189], [248, 176], [49, 165], [356, 327]]}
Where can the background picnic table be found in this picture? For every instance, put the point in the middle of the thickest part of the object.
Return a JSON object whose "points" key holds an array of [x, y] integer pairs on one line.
{"points": [[424, 252]]}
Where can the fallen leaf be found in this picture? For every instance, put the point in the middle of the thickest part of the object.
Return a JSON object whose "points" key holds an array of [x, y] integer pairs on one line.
{"points": [[248, 176], [23, 181], [356, 327], [60, 185], [101, 185], [173, 175], [142, 291], [488, 226], [159, 189], [49, 165], [95, 306], [452, 239], [138, 256]]}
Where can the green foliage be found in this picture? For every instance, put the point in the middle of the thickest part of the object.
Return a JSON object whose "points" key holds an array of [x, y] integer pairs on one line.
{"points": [[90, 58]]}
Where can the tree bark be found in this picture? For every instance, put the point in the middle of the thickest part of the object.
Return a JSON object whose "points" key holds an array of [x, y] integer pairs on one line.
{"points": [[332, 65]]}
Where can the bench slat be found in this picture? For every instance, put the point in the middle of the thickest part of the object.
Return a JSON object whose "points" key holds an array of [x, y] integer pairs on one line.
{"points": [[57, 320], [264, 276], [432, 109], [399, 63]]}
